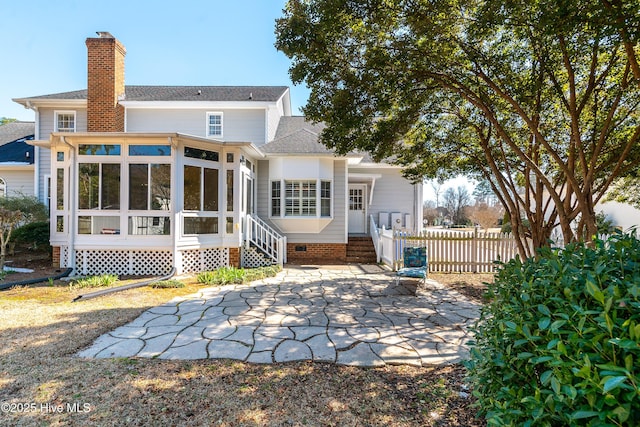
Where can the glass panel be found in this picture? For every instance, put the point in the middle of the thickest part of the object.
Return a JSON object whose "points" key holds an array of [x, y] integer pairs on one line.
{"points": [[66, 122], [106, 225], [149, 225], [275, 198], [230, 157], [229, 191], [99, 150], [59, 224], [191, 188], [300, 198], [325, 198], [60, 156], [229, 228], [249, 196], [200, 225], [60, 189], [160, 187], [110, 186], [138, 186], [215, 124], [210, 189], [88, 185], [196, 153], [149, 150]]}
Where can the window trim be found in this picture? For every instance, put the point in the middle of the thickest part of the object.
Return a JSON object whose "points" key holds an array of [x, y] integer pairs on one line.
{"points": [[57, 113], [208, 124], [319, 199]]}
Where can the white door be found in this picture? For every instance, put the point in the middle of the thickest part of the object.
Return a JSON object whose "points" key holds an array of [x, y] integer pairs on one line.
{"points": [[357, 208]]}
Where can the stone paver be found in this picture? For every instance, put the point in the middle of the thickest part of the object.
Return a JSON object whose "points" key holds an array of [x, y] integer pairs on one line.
{"points": [[351, 315]]}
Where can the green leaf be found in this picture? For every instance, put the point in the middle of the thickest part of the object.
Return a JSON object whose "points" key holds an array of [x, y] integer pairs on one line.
{"points": [[544, 323], [594, 291], [544, 310], [578, 415], [555, 326], [611, 383], [545, 377]]}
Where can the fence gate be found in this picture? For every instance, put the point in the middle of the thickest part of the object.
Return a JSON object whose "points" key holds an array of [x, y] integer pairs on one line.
{"points": [[457, 251]]}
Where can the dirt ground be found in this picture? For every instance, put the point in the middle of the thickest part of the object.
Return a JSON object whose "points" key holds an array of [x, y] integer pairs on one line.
{"points": [[43, 383]]}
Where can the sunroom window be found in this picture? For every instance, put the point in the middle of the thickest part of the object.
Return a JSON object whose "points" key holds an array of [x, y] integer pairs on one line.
{"points": [[99, 186]]}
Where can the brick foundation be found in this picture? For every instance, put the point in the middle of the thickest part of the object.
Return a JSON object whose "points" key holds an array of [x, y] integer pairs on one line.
{"points": [[55, 256], [320, 253], [234, 257]]}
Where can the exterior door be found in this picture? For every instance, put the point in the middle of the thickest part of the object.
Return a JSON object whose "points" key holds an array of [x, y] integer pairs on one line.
{"points": [[357, 208]]}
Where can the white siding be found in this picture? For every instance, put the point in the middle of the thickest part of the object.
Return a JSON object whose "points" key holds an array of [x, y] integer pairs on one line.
{"points": [[274, 114], [19, 182], [47, 125], [238, 125], [47, 119], [335, 232], [391, 193]]}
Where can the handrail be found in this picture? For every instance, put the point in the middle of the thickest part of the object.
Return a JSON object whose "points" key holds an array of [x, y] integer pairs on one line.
{"points": [[266, 239], [375, 237]]}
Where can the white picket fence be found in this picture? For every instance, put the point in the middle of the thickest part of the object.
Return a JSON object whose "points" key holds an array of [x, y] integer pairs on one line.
{"points": [[448, 250]]}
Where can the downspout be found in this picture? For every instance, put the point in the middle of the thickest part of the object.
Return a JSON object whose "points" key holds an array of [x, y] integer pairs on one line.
{"points": [[175, 214], [72, 207]]}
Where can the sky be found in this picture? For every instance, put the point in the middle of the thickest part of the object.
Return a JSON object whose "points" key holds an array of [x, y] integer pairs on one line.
{"points": [[188, 42]]}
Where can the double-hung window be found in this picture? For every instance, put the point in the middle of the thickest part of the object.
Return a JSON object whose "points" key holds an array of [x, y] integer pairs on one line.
{"points": [[65, 121], [214, 125]]}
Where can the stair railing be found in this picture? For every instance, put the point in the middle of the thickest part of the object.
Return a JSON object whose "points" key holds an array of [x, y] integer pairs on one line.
{"points": [[266, 239], [375, 237]]}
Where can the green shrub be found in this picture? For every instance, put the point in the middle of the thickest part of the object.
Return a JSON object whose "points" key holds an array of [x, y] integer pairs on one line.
{"points": [[559, 342], [94, 281], [35, 235], [229, 275], [164, 284]]}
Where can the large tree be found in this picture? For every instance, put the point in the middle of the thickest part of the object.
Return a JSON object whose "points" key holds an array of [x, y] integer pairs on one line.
{"points": [[539, 98]]}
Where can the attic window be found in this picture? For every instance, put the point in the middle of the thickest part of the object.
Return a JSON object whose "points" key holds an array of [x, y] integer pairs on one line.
{"points": [[214, 124], [65, 121]]}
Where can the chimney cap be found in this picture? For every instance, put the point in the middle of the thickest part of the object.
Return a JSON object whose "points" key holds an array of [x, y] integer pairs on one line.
{"points": [[105, 35]]}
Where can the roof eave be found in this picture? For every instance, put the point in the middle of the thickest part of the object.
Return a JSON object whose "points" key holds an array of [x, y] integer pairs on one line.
{"points": [[30, 103]]}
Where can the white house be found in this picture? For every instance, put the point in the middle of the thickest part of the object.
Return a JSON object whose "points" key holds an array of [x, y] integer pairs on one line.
{"points": [[140, 179]]}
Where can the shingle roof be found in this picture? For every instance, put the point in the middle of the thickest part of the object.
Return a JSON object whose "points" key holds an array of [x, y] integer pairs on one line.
{"points": [[16, 130], [184, 93], [295, 135]]}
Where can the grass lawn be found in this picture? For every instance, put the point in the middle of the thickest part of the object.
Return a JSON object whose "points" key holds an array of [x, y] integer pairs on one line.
{"points": [[44, 384]]}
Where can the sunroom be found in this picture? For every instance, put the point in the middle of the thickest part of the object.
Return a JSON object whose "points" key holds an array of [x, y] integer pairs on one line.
{"points": [[140, 204]]}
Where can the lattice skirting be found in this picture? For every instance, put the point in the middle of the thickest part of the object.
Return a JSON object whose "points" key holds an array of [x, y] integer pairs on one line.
{"points": [[126, 262], [196, 260], [142, 262], [252, 258]]}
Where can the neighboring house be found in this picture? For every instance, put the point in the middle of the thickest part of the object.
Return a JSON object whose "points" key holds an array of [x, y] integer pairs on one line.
{"points": [[143, 178], [16, 159]]}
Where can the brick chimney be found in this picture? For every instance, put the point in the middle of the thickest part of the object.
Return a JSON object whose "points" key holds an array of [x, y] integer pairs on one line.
{"points": [[105, 83]]}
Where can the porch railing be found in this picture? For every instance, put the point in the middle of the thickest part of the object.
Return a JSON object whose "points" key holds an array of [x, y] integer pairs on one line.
{"points": [[375, 237], [266, 239]]}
